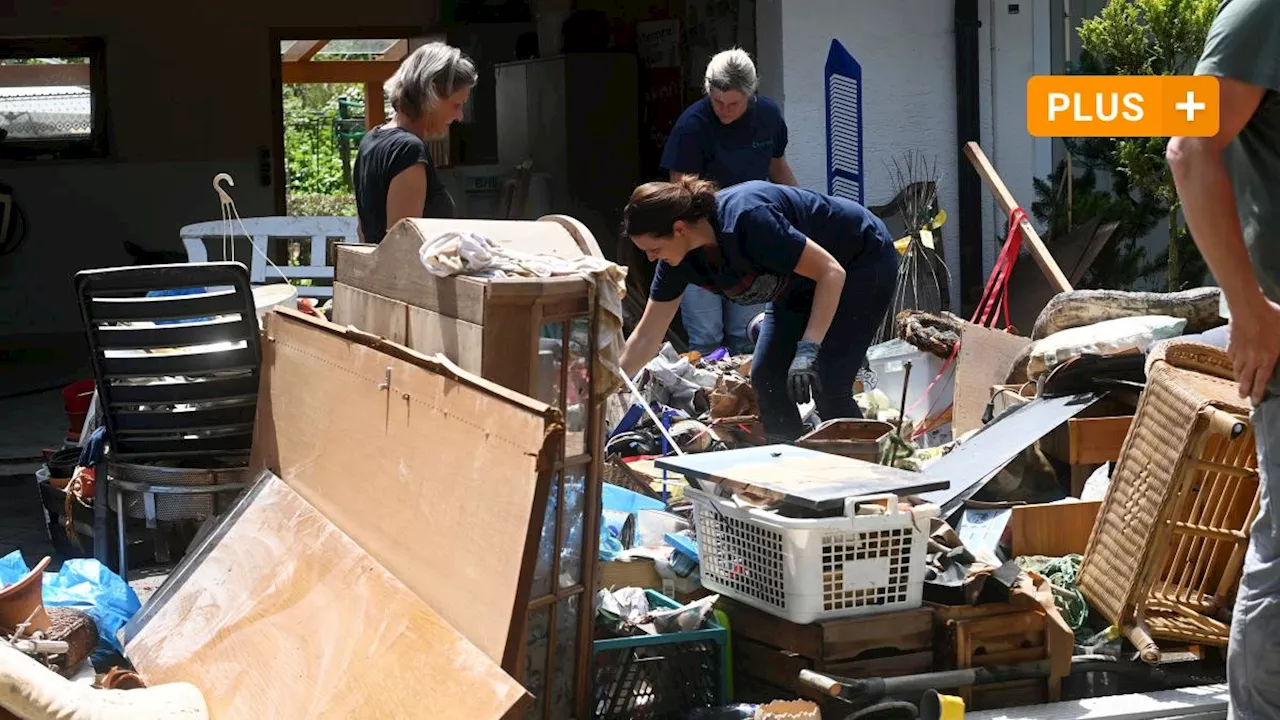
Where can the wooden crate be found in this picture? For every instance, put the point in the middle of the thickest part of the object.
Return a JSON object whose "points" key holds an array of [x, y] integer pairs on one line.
{"points": [[770, 651], [993, 634]]}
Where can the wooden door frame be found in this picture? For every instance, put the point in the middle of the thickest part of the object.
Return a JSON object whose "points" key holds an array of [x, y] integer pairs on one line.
{"points": [[277, 35]]}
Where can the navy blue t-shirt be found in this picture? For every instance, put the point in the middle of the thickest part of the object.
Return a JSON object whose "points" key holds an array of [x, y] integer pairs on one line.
{"points": [[761, 230], [728, 154]]}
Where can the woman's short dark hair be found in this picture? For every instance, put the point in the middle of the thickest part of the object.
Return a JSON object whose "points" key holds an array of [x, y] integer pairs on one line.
{"points": [[431, 73], [656, 206]]}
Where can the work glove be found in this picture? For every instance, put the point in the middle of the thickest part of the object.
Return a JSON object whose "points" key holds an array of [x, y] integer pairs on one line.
{"points": [[802, 378]]}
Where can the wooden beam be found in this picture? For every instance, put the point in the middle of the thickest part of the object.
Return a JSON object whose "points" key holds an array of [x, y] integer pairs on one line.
{"points": [[44, 75], [337, 71], [374, 104], [396, 52], [303, 50], [1007, 203]]}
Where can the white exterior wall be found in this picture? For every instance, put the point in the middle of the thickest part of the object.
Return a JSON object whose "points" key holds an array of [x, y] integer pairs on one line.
{"points": [[907, 52]]}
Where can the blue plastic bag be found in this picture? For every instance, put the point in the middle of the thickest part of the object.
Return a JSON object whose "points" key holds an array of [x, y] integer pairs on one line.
{"points": [[87, 585]]}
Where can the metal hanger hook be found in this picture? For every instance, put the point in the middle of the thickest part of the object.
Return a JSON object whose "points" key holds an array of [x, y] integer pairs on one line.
{"points": [[222, 194]]}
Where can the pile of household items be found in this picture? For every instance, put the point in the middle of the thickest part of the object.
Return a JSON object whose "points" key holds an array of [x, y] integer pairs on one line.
{"points": [[426, 506], [1083, 533]]}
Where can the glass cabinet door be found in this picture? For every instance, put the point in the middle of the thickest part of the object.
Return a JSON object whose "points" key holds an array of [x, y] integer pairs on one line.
{"points": [[559, 597]]}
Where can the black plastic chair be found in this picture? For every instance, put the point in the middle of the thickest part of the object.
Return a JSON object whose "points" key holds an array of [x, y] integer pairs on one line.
{"points": [[177, 362]]}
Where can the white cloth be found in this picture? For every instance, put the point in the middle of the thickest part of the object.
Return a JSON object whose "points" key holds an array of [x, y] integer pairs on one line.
{"points": [[460, 252]]}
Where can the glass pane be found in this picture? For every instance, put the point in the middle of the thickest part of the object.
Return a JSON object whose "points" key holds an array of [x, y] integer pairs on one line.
{"points": [[564, 679], [45, 98], [578, 412], [546, 544], [550, 360], [575, 486], [356, 47], [537, 642]]}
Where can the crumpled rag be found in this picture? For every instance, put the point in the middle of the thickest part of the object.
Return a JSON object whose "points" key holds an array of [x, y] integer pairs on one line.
{"points": [[462, 252]]}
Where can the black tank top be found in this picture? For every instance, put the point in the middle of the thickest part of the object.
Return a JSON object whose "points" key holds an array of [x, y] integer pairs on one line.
{"points": [[384, 153]]}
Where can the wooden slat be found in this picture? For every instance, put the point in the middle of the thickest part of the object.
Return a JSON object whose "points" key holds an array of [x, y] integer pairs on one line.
{"points": [[181, 364], [1007, 203], [44, 75], [303, 50]]}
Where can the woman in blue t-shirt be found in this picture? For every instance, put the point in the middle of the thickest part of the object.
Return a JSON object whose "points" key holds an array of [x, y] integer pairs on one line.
{"points": [[826, 267]]}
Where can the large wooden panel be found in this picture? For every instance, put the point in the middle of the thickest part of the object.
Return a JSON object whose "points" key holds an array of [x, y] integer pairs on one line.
{"points": [[440, 475], [281, 615]]}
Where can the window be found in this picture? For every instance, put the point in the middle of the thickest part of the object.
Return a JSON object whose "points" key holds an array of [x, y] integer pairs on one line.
{"points": [[52, 98]]}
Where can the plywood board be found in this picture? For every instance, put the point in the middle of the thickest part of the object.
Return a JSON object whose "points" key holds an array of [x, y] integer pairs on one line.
{"points": [[441, 476], [371, 313], [279, 614], [459, 340], [984, 360], [809, 478]]}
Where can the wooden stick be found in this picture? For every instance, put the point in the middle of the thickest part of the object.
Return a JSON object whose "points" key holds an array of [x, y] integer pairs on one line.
{"points": [[1007, 203]]}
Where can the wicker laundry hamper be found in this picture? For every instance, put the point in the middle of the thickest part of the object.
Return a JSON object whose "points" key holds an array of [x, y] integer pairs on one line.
{"points": [[1166, 552]]}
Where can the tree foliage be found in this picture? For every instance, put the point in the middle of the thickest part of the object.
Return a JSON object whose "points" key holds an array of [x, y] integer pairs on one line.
{"points": [[317, 168], [1146, 37]]}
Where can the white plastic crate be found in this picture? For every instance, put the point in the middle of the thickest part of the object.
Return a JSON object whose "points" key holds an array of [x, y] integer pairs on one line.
{"points": [[805, 570]]}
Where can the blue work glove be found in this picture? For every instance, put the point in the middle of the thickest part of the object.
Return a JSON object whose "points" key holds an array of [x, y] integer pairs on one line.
{"points": [[802, 378]]}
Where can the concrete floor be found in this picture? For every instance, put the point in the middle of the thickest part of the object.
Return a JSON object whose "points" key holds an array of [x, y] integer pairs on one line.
{"points": [[22, 521]]}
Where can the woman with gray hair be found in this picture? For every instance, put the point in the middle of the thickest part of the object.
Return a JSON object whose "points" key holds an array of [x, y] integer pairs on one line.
{"points": [[393, 174], [731, 136]]}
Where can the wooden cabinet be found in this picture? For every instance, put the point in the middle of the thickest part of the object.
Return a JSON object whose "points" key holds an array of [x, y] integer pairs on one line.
{"points": [[534, 336]]}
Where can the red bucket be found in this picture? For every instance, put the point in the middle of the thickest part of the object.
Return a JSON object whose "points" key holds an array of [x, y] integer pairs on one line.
{"points": [[76, 398]]}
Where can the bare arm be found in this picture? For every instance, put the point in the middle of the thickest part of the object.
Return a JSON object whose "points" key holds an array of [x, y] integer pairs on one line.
{"points": [[818, 265], [675, 176], [780, 172], [359, 232], [646, 339], [1209, 205], [407, 194]]}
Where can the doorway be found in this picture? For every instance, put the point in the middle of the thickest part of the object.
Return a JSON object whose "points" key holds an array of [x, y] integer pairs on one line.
{"points": [[326, 94]]}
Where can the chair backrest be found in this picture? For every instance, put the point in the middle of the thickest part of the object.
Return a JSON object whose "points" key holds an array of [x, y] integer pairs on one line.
{"points": [[176, 359], [312, 237]]}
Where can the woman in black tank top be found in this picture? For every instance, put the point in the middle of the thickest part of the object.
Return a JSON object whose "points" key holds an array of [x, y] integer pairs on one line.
{"points": [[393, 173]]}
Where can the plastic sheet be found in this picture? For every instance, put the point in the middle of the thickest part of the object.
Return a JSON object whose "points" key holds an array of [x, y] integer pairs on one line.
{"points": [[279, 615], [83, 584]]}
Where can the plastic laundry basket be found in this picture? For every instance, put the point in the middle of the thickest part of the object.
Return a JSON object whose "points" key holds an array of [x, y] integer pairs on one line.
{"points": [[805, 570]]}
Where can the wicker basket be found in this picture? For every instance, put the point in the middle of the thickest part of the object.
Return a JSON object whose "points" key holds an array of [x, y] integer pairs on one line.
{"points": [[1167, 550]]}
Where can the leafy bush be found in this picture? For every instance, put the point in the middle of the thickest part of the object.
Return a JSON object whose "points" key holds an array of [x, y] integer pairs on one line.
{"points": [[321, 205], [317, 160], [1147, 37]]}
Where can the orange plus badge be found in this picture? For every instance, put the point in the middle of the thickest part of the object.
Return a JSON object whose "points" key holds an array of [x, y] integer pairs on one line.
{"points": [[1122, 106]]}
